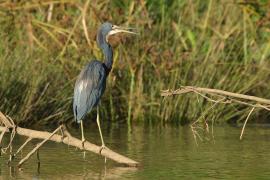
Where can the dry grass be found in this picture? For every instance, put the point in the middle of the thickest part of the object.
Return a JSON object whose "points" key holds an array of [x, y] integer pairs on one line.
{"points": [[44, 45]]}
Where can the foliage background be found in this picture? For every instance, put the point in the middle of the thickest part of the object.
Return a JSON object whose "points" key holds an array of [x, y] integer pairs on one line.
{"points": [[207, 43]]}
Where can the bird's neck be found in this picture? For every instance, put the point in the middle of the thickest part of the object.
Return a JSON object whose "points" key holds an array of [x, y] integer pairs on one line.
{"points": [[108, 54]]}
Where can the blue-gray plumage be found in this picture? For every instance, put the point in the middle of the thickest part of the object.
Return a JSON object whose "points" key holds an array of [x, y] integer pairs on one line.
{"points": [[89, 88], [91, 82]]}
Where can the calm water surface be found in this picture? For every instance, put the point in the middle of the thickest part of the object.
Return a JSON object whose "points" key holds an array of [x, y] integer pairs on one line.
{"points": [[164, 153]]}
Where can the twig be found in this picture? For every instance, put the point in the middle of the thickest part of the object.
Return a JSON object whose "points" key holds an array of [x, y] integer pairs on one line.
{"points": [[186, 89], [230, 97], [193, 125], [2, 135], [84, 22], [5, 120], [50, 10], [223, 100], [23, 145], [69, 37], [12, 135], [243, 129], [37, 147], [194, 135], [211, 107]]}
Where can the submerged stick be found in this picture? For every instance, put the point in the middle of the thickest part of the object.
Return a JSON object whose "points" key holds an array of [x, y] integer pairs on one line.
{"points": [[71, 141], [37, 147]]}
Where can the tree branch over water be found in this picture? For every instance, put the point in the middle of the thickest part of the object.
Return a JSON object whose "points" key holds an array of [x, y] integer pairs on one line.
{"points": [[9, 126], [264, 103], [224, 97]]}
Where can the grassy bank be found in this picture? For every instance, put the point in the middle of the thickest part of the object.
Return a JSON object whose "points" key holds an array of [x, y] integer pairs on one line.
{"points": [[216, 44]]}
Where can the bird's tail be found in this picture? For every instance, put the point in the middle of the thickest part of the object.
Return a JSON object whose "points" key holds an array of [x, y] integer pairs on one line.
{"points": [[77, 120]]}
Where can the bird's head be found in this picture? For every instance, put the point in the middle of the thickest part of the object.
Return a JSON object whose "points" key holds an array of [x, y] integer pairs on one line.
{"points": [[107, 29]]}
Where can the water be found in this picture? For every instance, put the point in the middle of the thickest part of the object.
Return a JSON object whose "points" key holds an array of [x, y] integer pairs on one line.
{"points": [[164, 153]]}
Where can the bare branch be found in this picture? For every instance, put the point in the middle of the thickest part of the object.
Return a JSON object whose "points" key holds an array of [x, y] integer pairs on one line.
{"points": [[50, 11], [23, 145], [84, 22], [243, 129], [69, 140], [187, 89], [225, 97]]}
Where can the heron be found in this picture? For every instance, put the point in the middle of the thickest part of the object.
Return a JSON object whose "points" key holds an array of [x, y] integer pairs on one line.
{"points": [[91, 82]]}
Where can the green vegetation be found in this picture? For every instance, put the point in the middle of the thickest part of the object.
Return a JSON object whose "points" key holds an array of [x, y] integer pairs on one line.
{"points": [[215, 44]]}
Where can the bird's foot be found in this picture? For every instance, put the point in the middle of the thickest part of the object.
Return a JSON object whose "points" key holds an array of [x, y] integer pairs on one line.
{"points": [[83, 141], [63, 136], [101, 148]]}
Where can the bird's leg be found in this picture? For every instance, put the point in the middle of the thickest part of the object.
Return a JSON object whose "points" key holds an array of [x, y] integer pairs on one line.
{"points": [[100, 133], [83, 139]]}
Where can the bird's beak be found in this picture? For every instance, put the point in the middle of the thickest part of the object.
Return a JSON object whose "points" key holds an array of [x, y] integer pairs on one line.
{"points": [[117, 29]]}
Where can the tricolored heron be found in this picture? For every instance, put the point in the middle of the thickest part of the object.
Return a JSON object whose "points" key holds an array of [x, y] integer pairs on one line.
{"points": [[91, 82]]}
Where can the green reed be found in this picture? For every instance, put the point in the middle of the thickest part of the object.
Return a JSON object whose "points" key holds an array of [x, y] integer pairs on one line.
{"points": [[213, 44]]}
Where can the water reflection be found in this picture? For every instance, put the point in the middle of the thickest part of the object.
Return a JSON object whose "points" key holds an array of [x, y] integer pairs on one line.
{"points": [[105, 173], [164, 152]]}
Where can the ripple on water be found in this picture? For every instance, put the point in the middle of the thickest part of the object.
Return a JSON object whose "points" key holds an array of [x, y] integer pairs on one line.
{"points": [[164, 153]]}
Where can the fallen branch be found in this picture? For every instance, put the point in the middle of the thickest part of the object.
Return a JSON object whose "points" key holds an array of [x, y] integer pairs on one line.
{"points": [[225, 98], [67, 139], [217, 92]]}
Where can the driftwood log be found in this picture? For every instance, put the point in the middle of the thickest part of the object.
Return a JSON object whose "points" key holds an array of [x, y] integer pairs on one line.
{"points": [[9, 126]]}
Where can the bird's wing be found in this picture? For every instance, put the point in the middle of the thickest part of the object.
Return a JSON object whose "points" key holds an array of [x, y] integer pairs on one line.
{"points": [[89, 88]]}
